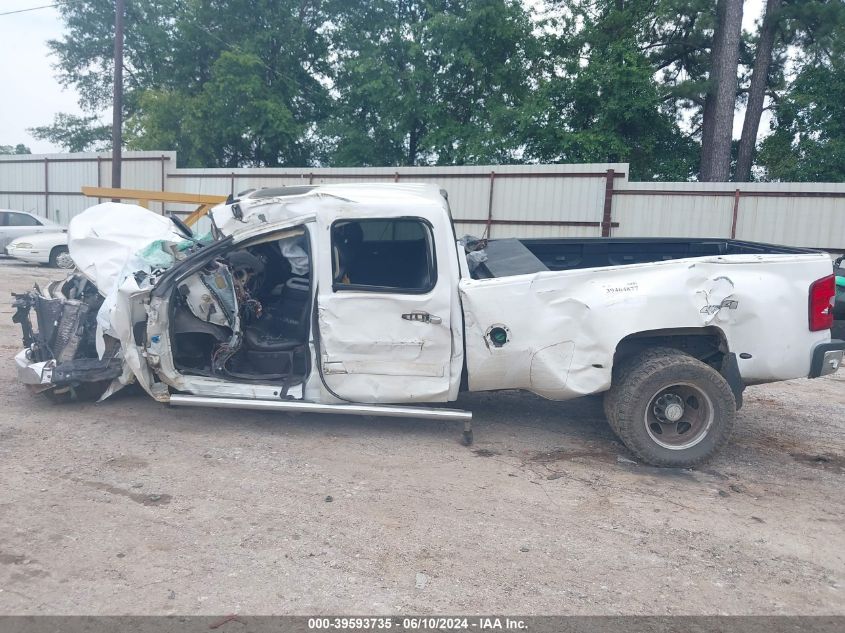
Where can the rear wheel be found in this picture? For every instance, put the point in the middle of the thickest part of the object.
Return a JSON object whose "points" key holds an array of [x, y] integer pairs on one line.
{"points": [[669, 408], [60, 258]]}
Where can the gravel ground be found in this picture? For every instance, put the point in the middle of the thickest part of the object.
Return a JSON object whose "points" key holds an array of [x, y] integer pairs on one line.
{"points": [[129, 507]]}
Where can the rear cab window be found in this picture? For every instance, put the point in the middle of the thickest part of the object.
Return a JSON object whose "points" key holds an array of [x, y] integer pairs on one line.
{"points": [[383, 255]]}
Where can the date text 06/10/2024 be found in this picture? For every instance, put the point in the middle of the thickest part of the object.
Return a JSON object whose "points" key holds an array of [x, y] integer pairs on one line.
{"points": [[481, 623]]}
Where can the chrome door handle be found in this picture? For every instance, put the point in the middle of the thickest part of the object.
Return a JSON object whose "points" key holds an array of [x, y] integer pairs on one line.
{"points": [[422, 317]]}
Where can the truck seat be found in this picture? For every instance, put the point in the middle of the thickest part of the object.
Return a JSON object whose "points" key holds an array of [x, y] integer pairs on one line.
{"points": [[285, 324]]}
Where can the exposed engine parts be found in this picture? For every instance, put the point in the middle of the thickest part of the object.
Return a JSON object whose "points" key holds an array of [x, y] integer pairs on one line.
{"points": [[66, 314]]}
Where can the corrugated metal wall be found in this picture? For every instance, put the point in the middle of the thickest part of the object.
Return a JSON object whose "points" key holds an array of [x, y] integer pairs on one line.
{"points": [[586, 200], [797, 214], [526, 200], [49, 184]]}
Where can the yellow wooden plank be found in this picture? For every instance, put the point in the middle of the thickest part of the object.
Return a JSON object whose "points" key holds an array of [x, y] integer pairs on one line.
{"points": [[152, 196], [196, 215]]}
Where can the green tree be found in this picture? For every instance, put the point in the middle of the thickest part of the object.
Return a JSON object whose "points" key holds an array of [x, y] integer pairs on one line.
{"points": [[428, 82], [20, 148], [720, 100], [766, 41], [597, 99], [422, 82], [225, 82], [75, 133], [84, 55], [222, 126], [807, 142], [611, 111], [800, 34]]}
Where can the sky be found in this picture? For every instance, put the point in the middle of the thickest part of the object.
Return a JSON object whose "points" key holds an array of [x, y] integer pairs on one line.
{"points": [[32, 95]]}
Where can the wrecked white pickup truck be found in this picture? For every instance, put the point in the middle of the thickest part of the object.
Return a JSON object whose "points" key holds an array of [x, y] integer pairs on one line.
{"points": [[359, 299]]}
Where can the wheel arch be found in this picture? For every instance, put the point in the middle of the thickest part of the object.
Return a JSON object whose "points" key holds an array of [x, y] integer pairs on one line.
{"points": [[707, 344]]}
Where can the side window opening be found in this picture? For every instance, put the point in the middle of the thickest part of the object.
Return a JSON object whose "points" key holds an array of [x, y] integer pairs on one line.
{"points": [[383, 255], [21, 219]]}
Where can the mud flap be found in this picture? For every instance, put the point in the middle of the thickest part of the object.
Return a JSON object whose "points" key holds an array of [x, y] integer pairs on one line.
{"points": [[730, 372]]}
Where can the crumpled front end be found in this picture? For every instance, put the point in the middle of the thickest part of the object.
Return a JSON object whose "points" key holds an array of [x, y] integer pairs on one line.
{"points": [[59, 327], [33, 373], [83, 335]]}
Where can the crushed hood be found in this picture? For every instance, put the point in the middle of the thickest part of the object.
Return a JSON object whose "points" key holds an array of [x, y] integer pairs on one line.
{"points": [[110, 243], [105, 239]]}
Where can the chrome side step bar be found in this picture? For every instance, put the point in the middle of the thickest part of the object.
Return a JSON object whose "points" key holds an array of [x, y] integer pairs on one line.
{"points": [[293, 406]]}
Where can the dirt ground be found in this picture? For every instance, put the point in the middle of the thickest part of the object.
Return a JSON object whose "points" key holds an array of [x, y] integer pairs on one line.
{"points": [[130, 507]]}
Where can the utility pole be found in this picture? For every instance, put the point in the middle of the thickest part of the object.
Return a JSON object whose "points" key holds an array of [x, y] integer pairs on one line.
{"points": [[117, 105]]}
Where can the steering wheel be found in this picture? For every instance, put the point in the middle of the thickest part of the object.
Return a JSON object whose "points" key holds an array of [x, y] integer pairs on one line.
{"points": [[184, 229]]}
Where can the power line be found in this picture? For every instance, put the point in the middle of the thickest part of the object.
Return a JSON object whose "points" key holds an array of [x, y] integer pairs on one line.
{"points": [[43, 6], [235, 47], [226, 43]]}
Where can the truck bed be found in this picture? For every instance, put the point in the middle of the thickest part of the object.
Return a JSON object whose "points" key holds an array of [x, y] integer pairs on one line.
{"points": [[512, 256]]}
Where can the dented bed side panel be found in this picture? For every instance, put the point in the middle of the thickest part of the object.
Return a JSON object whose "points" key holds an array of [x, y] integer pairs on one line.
{"points": [[563, 328]]}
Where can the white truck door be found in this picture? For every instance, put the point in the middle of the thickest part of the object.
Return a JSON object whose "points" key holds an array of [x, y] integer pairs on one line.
{"points": [[384, 312]]}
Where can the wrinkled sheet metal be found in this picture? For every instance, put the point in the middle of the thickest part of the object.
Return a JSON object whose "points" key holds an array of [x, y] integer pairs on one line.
{"points": [[104, 240], [160, 353], [112, 242], [107, 243], [564, 327], [387, 359], [34, 374], [323, 199]]}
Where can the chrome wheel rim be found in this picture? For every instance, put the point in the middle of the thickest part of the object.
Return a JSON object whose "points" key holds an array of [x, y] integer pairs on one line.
{"points": [[679, 416], [63, 260]]}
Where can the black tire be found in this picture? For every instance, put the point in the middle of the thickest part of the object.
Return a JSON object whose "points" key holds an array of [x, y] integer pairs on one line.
{"points": [[60, 258], [638, 403]]}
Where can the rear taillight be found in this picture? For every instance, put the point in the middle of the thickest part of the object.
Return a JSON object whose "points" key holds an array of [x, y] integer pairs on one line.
{"points": [[822, 292]]}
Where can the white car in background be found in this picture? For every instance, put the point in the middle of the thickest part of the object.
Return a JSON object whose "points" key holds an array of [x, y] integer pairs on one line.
{"points": [[42, 248], [15, 224]]}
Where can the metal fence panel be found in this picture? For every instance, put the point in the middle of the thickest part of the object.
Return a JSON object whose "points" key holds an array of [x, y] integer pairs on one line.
{"points": [[528, 200], [791, 220], [672, 215], [50, 183], [24, 202], [493, 200], [797, 214], [19, 176]]}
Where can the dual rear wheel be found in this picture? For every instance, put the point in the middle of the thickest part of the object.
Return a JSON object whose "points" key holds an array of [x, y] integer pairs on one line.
{"points": [[669, 408]]}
